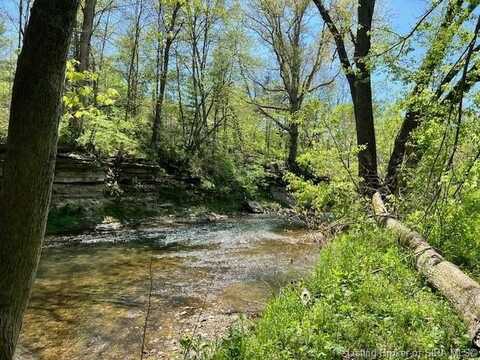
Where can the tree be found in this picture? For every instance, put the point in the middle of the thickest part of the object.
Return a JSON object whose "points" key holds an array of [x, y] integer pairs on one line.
{"points": [[23, 14], [282, 26], [131, 106], [205, 76], [88, 11], [166, 34], [76, 124], [30, 159], [357, 73], [435, 56]]}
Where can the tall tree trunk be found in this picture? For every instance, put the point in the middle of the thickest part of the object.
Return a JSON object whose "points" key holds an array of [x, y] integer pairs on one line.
{"points": [[409, 124], [293, 131], [157, 121], [104, 42], [362, 99], [132, 76], [86, 35], [76, 125], [162, 66], [359, 81], [30, 159], [365, 129], [75, 43], [20, 24], [293, 148]]}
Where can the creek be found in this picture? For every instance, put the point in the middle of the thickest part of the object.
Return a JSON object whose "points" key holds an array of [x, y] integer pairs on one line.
{"points": [[91, 293]]}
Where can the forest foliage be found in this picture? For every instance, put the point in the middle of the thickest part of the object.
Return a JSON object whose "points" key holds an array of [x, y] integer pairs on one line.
{"points": [[324, 90], [227, 88]]}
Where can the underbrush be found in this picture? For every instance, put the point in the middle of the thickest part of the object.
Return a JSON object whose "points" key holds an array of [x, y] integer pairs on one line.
{"points": [[363, 300], [73, 218], [454, 229]]}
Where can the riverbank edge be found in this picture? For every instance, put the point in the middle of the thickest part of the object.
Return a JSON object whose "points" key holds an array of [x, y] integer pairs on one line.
{"points": [[363, 300]]}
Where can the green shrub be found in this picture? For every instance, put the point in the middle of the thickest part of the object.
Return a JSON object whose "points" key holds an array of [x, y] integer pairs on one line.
{"points": [[454, 231], [73, 217]]}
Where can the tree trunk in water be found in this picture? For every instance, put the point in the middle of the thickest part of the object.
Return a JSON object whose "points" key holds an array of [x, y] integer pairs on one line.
{"points": [[461, 290], [30, 159], [86, 36]]}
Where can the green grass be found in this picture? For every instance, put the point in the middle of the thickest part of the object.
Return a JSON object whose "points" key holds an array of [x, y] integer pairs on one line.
{"points": [[365, 296]]}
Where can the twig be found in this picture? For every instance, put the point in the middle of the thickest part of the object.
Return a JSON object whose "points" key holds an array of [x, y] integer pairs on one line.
{"points": [[339, 151], [404, 38]]}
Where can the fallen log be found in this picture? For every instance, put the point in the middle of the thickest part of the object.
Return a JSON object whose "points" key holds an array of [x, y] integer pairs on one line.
{"points": [[461, 290]]}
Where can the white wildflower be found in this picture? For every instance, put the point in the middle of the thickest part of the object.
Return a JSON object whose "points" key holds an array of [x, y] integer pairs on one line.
{"points": [[306, 297]]}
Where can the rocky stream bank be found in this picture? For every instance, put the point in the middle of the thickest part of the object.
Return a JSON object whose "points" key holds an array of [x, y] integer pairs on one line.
{"points": [[91, 192]]}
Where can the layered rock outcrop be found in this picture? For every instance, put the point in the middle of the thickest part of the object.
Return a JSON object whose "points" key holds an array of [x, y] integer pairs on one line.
{"points": [[80, 176]]}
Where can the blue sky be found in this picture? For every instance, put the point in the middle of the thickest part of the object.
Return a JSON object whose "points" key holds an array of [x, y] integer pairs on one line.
{"points": [[404, 12], [401, 14]]}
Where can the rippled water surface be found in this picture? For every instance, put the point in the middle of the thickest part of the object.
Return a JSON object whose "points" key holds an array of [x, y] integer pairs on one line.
{"points": [[90, 298]]}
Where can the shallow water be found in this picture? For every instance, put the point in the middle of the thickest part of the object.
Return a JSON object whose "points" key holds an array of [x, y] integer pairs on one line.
{"points": [[90, 299]]}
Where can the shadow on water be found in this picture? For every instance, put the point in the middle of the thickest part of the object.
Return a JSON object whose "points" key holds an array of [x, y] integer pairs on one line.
{"points": [[89, 299]]}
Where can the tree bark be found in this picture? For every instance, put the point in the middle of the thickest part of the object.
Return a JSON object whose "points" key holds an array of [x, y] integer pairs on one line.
{"points": [[30, 158], [462, 291], [20, 24], [86, 35], [293, 149], [157, 121], [365, 129], [409, 124], [362, 99], [359, 81]]}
